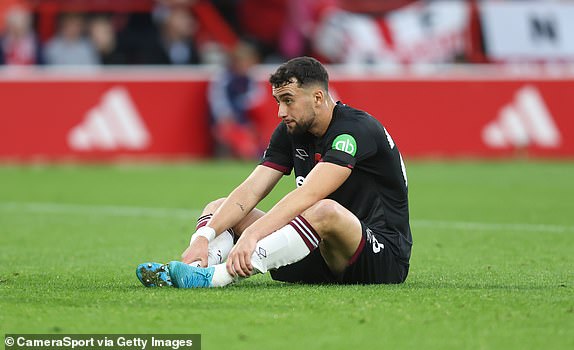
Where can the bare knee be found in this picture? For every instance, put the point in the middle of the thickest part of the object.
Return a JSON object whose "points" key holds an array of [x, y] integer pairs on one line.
{"points": [[323, 216], [211, 207], [339, 230]]}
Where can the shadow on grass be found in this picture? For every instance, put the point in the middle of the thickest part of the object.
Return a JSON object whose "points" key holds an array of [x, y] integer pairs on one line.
{"points": [[262, 284]]}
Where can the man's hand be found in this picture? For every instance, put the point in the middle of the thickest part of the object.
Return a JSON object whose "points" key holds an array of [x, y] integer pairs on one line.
{"points": [[239, 259], [197, 250]]}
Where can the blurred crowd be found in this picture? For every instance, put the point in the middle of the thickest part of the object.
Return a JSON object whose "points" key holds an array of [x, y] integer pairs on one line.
{"points": [[237, 35], [177, 32], [160, 36]]}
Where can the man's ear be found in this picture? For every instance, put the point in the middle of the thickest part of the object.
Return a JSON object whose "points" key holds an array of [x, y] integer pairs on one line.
{"points": [[318, 97]]}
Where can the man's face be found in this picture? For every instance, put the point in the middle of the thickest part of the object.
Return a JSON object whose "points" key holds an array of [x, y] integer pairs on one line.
{"points": [[295, 106]]}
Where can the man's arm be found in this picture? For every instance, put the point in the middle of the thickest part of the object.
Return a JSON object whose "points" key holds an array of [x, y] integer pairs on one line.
{"points": [[236, 206], [244, 198], [323, 180]]}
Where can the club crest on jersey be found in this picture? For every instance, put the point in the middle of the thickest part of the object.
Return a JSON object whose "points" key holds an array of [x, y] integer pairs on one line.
{"points": [[301, 153], [345, 143]]}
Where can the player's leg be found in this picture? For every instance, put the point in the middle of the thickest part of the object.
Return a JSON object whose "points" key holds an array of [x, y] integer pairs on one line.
{"points": [[153, 274], [340, 233], [326, 224], [349, 252], [220, 247]]}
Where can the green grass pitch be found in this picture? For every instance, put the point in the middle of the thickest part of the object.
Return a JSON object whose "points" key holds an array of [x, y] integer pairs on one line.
{"points": [[492, 264]]}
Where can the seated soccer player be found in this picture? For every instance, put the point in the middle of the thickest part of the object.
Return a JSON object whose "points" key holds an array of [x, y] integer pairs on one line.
{"points": [[347, 221]]}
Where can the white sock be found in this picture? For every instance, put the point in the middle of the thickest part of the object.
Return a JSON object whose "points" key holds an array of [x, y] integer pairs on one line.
{"points": [[289, 244], [221, 277], [219, 248]]}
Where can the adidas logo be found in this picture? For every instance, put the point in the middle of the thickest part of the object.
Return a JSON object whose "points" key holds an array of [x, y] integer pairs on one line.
{"points": [[524, 122], [112, 125]]}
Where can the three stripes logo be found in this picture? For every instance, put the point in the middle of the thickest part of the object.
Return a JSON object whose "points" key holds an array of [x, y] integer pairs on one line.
{"points": [[524, 122], [113, 124]]}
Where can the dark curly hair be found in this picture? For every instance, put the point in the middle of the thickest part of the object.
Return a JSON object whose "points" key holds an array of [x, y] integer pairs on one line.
{"points": [[306, 70]]}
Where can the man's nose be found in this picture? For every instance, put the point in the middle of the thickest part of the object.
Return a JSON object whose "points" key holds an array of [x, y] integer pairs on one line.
{"points": [[282, 111]]}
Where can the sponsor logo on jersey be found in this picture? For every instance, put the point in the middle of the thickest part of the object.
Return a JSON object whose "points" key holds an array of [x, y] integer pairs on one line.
{"points": [[523, 122], [113, 124], [345, 143]]}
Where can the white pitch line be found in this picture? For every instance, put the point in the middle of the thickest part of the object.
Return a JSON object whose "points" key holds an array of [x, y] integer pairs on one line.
{"points": [[485, 226], [191, 214], [105, 210]]}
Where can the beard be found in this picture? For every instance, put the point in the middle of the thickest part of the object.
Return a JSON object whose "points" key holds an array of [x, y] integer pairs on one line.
{"points": [[298, 128]]}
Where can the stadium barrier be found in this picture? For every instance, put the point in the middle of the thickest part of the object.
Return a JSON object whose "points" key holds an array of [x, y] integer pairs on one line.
{"points": [[453, 111]]}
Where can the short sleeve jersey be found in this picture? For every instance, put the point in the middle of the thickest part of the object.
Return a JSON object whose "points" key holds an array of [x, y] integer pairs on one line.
{"points": [[376, 191]]}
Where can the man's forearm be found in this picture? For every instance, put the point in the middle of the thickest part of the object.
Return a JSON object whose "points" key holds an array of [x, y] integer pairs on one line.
{"points": [[323, 180], [235, 207], [282, 213], [244, 198]]}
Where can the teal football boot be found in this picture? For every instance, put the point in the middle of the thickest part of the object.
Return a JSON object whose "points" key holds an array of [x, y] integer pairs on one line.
{"points": [[154, 274], [186, 276]]}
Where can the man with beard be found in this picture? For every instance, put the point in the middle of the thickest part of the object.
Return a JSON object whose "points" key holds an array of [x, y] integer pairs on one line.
{"points": [[347, 221]]}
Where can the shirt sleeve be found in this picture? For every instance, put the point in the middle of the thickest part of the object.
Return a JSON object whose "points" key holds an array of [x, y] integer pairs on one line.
{"points": [[279, 153], [348, 146]]}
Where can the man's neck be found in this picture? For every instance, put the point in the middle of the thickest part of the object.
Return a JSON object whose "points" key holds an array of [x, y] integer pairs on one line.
{"points": [[323, 118]]}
